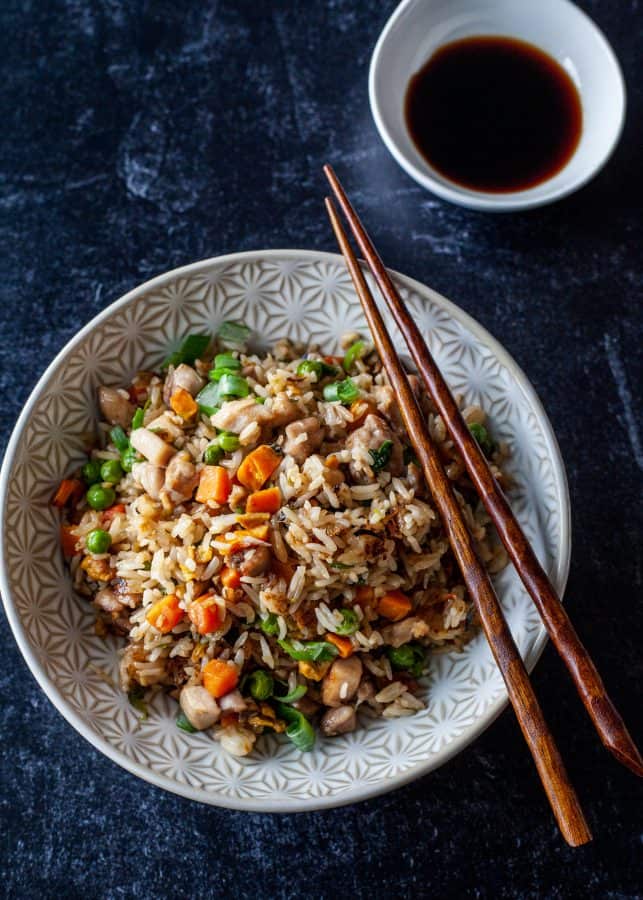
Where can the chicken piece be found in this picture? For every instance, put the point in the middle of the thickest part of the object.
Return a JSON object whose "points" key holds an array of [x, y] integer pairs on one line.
{"points": [[252, 562], [151, 478], [181, 477], [237, 740], [151, 446], [407, 630], [235, 415], [233, 702], [340, 720], [342, 681], [200, 708], [185, 377], [108, 601], [371, 435], [298, 449], [115, 406], [282, 411]]}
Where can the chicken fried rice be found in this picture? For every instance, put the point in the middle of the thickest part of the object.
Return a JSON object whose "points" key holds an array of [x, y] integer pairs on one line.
{"points": [[258, 531]]}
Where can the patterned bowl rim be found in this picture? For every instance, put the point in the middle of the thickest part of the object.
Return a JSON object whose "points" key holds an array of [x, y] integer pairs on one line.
{"points": [[362, 792]]}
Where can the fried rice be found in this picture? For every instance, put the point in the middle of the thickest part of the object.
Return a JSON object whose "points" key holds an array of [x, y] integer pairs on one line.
{"points": [[256, 528]]}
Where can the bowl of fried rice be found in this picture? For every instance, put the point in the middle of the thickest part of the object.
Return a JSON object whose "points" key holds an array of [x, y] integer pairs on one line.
{"points": [[220, 559]]}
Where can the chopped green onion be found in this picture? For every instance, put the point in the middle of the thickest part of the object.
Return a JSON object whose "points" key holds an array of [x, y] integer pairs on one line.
{"points": [[111, 471], [411, 657], [91, 472], [98, 541], [484, 439], [260, 684], [228, 441], [293, 696], [345, 391], [137, 419], [208, 399], [233, 386], [310, 367], [350, 622], [309, 651], [99, 497], [316, 367], [192, 348], [339, 565], [184, 724], [233, 334], [260, 400], [381, 456], [226, 361], [299, 729], [354, 352], [270, 625], [217, 374], [128, 458], [119, 439], [135, 697], [212, 454]]}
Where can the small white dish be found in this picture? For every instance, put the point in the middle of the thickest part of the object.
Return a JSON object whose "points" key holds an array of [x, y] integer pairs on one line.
{"points": [[418, 28], [303, 295]]}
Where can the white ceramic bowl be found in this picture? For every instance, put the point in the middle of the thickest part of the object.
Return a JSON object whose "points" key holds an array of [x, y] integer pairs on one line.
{"points": [[301, 294], [418, 28]]}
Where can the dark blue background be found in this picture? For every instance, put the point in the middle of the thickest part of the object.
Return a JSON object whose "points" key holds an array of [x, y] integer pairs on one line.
{"points": [[140, 136]]}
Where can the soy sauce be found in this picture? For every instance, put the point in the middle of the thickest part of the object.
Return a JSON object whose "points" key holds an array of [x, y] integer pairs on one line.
{"points": [[494, 114]]}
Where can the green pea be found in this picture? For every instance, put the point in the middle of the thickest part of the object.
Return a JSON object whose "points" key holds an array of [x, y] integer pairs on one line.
{"points": [[91, 472], [98, 541], [260, 684], [99, 497], [228, 441], [411, 657], [111, 471], [212, 454]]}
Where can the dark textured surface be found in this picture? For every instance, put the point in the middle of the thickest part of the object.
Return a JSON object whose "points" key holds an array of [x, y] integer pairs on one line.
{"points": [[140, 136]]}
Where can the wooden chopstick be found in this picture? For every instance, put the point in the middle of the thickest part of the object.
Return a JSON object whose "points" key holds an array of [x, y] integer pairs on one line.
{"points": [[606, 718], [549, 763]]}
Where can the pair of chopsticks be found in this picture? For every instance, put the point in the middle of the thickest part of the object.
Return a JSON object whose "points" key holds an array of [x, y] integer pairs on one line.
{"points": [[589, 685]]}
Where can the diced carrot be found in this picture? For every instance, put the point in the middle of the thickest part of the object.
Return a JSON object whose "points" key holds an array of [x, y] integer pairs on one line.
{"points": [[214, 485], [165, 614], [230, 578], [266, 501], [334, 360], [252, 520], [183, 403], [331, 461], [237, 541], [394, 605], [69, 489], [205, 614], [220, 677], [257, 467], [118, 509], [364, 594], [343, 644], [283, 570], [68, 540]]}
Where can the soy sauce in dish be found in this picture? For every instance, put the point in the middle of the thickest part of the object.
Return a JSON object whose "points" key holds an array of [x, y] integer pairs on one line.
{"points": [[493, 114]]}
